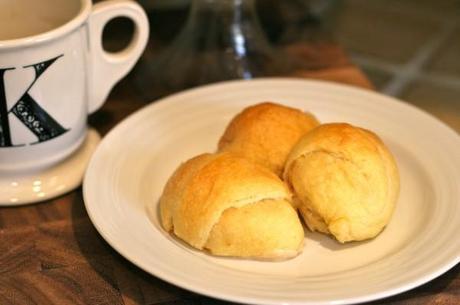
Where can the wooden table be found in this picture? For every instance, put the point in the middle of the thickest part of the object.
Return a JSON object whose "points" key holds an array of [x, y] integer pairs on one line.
{"points": [[50, 253]]}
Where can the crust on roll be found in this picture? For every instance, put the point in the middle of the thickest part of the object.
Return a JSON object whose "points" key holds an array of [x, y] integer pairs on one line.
{"points": [[265, 133], [345, 180], [231, 207]]}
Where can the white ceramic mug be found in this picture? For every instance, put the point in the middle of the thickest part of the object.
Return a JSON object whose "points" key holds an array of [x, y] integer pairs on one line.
{"points": [[54, 72]]}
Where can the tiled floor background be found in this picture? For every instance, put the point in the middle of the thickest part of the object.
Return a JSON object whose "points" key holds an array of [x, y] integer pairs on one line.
{"points": [[408, 48]]}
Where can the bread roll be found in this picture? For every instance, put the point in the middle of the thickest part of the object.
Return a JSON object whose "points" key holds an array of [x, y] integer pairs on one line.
{"points": [[231, 207], [265, 133], [345, 181]]}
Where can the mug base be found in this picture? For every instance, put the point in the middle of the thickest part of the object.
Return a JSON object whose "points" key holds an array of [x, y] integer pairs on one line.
{"points": [[50, 182]]}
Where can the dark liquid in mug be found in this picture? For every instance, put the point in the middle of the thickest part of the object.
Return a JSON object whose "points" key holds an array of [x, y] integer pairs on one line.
{"points": [[24, 18]]}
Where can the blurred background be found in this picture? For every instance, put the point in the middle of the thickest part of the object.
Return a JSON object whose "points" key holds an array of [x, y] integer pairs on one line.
{"points": [[407, 48]]}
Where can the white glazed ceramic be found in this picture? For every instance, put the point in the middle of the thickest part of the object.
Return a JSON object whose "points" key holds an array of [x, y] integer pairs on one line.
{"points": [[51, 81], [128, 171], [51, 181]]}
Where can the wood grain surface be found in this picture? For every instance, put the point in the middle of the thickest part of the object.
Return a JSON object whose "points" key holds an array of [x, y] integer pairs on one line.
{"points": [[51, 254]]}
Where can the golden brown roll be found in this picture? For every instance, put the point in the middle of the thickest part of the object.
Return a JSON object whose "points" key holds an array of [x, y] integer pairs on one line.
{"points": [[265, 133], [345, 181], [231, 207]]}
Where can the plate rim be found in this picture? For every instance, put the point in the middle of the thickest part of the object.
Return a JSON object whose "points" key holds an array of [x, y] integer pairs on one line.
{"points": [[245, 299]]}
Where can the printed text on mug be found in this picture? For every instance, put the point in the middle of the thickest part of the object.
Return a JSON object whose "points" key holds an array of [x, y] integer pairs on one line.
{"points": [[33, 116]]}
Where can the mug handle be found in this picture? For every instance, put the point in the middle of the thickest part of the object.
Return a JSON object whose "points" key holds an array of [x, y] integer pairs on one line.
{"points": [[105, 68]]}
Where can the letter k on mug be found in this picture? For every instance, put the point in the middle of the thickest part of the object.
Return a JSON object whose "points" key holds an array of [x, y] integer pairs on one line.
{"points": [[53, 73]]}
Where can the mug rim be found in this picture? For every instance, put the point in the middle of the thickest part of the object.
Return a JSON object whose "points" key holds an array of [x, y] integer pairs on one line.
{"points": [[52, 34]]}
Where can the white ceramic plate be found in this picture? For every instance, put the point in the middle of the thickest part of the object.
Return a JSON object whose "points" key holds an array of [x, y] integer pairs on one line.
{"points": [[130, 167]]}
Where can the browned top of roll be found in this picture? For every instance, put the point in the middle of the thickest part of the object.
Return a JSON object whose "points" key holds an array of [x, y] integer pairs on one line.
{"points": [[265, 133]]}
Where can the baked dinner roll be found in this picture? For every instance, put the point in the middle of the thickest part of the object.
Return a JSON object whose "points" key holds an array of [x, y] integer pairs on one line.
{"points": [[265, 133], [231, 207], [345, 181]]}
